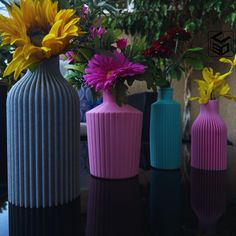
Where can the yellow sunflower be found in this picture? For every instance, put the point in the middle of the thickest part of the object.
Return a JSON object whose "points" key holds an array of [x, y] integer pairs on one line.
{"points": [[38, 31]]}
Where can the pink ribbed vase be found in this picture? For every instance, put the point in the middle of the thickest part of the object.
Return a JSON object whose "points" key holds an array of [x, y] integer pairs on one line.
{"points": [[114, 139], [209, 139]]}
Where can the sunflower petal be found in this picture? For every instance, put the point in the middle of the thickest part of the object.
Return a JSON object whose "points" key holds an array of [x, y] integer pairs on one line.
{"points": [[40, 20]]}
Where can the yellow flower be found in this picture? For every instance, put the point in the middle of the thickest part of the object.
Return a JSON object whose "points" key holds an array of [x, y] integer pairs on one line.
{"points": [[38, 31], [210, 77], [223, 90], [228, 61], [212, 86], [205, 90]]}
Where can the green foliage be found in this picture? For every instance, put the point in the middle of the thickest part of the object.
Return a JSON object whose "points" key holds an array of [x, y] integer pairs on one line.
{"points": [[119, 91], [5, 57], [134, 50], [152, 18], [99, 7], [195, 58]]}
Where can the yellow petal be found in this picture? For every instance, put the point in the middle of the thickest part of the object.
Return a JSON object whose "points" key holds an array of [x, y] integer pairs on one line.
{"points": [[234, 62], [37, 19], [193, 98], [222, 77], [226, 60], [207, 74], [230, 97]]}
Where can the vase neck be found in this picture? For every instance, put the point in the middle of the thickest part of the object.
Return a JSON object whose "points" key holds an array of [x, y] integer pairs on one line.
{"points": [[107, 97], [51, 64], [165, 94], [211, 107]]}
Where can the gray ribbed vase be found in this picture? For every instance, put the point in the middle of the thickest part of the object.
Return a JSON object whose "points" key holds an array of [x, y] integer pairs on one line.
{"points": [[43, 138]]}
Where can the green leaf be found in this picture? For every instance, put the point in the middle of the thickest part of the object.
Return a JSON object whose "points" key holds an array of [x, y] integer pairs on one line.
{"points": [[77, 67], [198, 49], [196, 63], [71, 75], [64, 4], [86, 53], [175, 72], [119, 91], [33, 67]]}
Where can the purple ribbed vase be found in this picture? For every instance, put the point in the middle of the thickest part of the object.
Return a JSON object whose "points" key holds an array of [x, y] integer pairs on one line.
{"points": [[114, 139], [209, 139]]}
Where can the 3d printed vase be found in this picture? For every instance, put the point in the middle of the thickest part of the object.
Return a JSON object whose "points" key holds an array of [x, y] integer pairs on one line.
{"points": [[208, 198], [209, 139], [43, 138], [165, 131], [114, 208], [114, 139]]}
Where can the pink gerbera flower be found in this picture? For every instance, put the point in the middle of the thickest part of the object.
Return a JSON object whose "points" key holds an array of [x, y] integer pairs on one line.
{"points": [[103, 70]]}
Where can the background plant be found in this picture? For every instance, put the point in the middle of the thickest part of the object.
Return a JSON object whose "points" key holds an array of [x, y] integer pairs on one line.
{"points": [[169, 55], [153, 18]]}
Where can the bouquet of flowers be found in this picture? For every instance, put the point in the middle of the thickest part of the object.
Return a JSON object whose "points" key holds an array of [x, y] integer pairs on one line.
{"points": [[105, 60], [37, 30], [167, 57], [212, 86]]}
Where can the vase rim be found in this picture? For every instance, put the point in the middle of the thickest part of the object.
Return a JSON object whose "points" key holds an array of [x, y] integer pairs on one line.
{"points": [[52, 58], [211, 101], [166, 88]]}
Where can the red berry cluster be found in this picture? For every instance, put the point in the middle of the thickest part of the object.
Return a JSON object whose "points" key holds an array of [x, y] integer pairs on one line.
{"points": [[164, 47]]}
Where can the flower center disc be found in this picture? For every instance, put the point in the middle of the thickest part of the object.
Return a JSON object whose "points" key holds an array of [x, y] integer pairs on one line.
{"points": [[36, 36]]}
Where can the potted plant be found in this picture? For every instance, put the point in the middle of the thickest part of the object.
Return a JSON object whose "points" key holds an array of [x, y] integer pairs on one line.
{"points": [[42, 108], [108, 64], [165, 60], [209, 132]]}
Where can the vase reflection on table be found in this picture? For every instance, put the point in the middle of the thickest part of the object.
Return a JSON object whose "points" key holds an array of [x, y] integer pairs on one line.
{"points": [[208, 198], [55, 221], [165, 203], [114, 208]]}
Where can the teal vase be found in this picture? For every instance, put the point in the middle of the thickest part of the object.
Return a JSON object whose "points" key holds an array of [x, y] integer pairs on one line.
{"points": [[165, 131]]}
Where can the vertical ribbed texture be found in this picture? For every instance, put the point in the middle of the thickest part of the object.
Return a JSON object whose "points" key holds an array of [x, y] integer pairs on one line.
{"points": [[208, 197], [114, 139], [114, 208], [165, 131], [209, 139], [54, 221], [43, 139], [165, 203]]}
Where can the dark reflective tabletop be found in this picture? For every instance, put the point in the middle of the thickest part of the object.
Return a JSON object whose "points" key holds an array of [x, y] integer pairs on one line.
{"points": [[161, 203]]}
